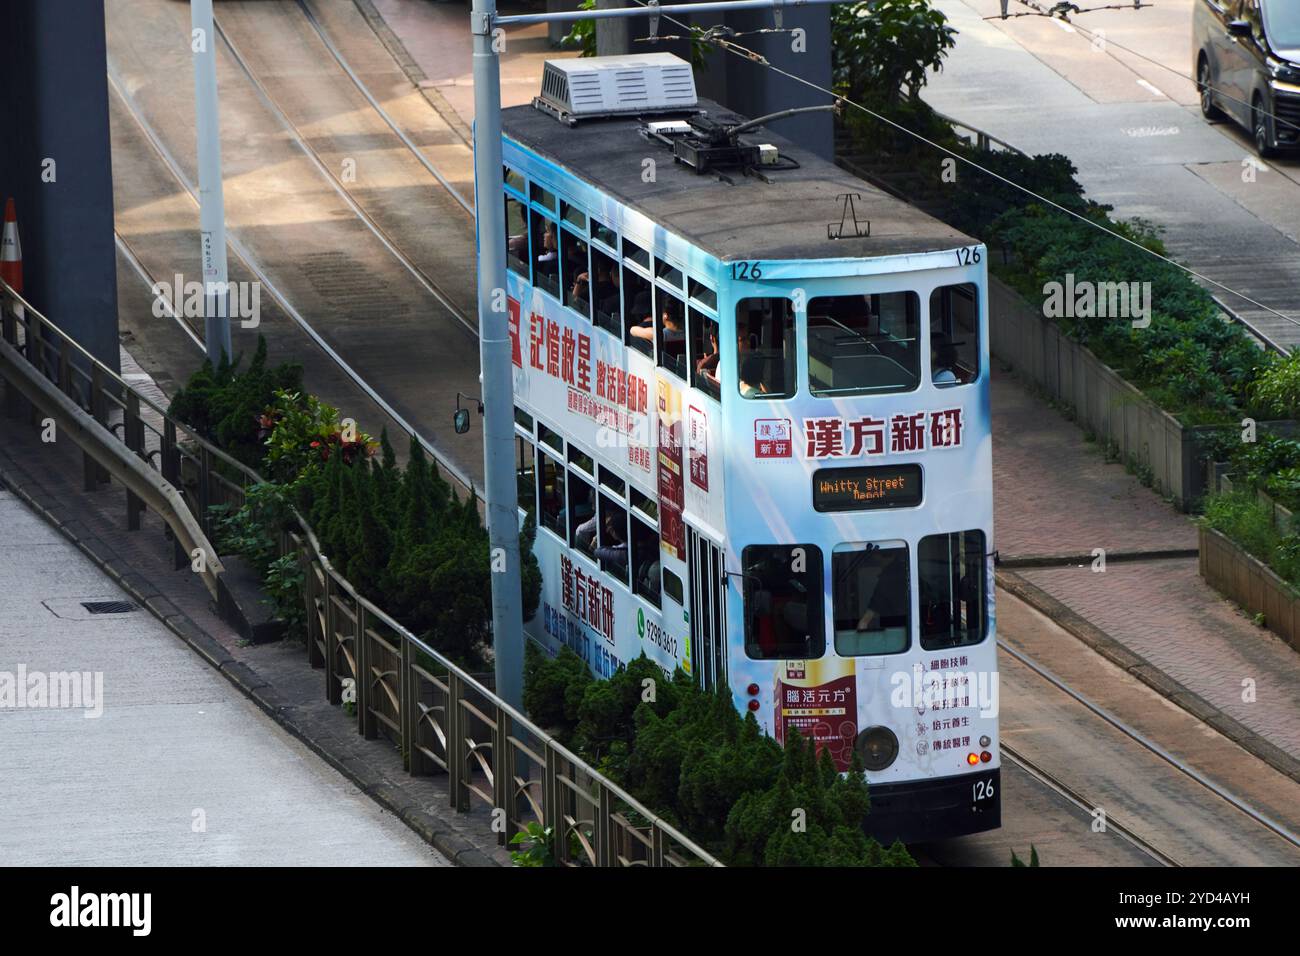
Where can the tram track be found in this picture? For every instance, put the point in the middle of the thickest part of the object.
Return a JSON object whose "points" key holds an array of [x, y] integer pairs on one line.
{"points": [[245, 257]]}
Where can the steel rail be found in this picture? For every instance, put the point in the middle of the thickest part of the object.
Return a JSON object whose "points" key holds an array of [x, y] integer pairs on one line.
{"points": [[133, 260], [392, 124], [247, 258], [1137, 736], [309, 151], [1055, 785]]}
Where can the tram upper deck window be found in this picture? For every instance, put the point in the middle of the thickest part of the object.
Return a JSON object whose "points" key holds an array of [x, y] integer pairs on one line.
{"points": [[550, 493], [704, 352], [672, 334], [542, 196], [546, 254], [605, 293], [517, 237], [667, 272], [784, 616], [702, 294], [515, 180], [638, 255], [602, 233], [954, 335], [871, 598], [765, 346], [573, 216], [953, 589], [612, 481], [864, 344], [577, 273], [646, 505], [581, 460], [639, 318]]}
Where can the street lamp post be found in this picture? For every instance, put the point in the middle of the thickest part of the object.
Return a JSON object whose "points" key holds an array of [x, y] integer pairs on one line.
{"points": [[212, 206]]}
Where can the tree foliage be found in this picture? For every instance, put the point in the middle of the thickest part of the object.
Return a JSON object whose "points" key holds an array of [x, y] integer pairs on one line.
{"points": [[882, 47], [693, 759]]}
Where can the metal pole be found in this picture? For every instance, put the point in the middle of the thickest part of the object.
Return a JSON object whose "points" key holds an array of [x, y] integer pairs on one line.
{"points": [[721, 6], [212, 207], [494, 356]]}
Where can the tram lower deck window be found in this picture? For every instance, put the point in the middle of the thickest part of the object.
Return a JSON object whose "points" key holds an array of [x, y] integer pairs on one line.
{"points": [[953, 589], [784, 616], [871, 598], [550, 493], [864, 344]]}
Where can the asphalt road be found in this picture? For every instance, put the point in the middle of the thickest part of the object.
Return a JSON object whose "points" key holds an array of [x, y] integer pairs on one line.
{"points": [[1134, 130]]}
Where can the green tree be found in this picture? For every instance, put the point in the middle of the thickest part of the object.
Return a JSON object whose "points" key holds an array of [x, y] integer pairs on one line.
{"points": [[879, 48]]}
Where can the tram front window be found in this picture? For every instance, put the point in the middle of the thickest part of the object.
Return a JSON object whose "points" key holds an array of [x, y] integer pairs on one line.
{"points": [[872, 599], [953, 589], [864, 344], [784, 617], [765, 341], [954, 335]]}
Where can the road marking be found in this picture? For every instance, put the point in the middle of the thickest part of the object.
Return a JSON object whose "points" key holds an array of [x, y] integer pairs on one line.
{"points": [[1151, 87]]}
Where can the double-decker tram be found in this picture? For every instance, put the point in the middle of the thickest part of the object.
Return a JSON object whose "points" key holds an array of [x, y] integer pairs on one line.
{"points": [[752, 406]]}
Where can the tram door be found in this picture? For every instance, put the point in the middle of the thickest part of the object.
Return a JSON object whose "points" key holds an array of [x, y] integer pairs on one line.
{"points": [[708, 610]]}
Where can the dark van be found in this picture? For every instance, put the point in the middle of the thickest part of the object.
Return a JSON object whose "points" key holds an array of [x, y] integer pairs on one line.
{"points": [[1246, 54]]}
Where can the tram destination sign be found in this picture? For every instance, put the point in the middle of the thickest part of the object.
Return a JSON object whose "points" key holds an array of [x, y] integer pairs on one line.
{"points": [[867, 488]]}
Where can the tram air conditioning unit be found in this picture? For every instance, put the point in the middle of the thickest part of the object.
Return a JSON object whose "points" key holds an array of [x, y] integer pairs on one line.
{"points": [[599, 87]]}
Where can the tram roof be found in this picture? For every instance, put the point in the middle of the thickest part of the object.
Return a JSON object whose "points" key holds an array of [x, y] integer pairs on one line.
{"points": [[744, 219]]}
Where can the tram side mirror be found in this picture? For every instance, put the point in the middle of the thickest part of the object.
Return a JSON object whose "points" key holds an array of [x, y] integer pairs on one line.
{"points": [[461, 420]]}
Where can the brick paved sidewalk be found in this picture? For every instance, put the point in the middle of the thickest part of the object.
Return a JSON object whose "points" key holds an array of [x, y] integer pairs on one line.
{"points": [[1054, 493], [279, 672]]}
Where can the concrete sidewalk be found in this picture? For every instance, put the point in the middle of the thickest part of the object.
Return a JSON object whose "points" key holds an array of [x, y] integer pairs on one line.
{"points": [[179, 768]]}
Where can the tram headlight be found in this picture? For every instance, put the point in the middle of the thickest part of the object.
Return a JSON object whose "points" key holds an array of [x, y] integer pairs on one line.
{"points": [[877, 746]]}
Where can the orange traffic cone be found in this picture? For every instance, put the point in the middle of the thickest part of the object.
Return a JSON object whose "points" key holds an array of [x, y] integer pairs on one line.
{"points": [[11, 250]]}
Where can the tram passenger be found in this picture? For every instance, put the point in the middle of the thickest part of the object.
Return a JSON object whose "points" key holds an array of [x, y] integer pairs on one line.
{"points": [[549, 260], [888, 597], [585, 535], [607, 290], [943, 360], [752, 383], [708, 363], [613, 554], [645, 327]]}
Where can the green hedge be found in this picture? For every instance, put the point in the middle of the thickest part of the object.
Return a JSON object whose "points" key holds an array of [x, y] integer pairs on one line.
{"points": [[402, 537], [690, 757]]}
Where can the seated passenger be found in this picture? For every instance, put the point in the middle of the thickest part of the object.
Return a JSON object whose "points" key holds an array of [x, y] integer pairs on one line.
{"points": [[752, 384], [613, 553], [708, 362], [944, 363], [549, 259], [641, 315]]}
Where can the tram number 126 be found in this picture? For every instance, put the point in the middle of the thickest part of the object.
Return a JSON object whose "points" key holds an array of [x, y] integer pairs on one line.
{"points": [[981, 790], [746, 270], [967, 256]]}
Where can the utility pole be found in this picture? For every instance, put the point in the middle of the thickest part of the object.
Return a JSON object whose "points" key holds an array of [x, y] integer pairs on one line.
{"points": [[212, 204], [494, 358], [494, 333]]}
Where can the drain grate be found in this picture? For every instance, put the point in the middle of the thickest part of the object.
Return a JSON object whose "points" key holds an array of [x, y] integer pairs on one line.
{"points": [[109, 607]]}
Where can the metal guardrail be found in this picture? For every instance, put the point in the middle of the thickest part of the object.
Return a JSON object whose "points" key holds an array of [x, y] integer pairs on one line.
{"points": [[88, 403], [438, 715], [982, 141]]}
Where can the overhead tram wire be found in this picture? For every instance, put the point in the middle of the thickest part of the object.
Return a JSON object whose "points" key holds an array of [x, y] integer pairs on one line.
{"points": [[753, 56]]}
